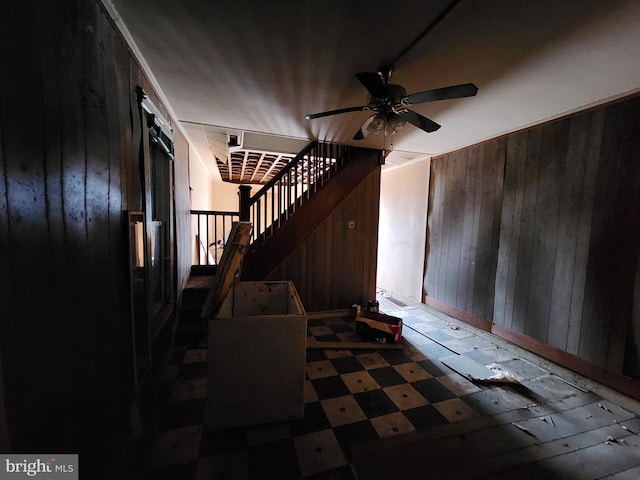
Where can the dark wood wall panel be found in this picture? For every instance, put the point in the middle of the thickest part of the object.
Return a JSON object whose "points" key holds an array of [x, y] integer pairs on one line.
{"points": [[463, 227], [545, 162], [335, 266], [69, 162], [568, 204], [589, 158], [563, 244], [615, 239]]}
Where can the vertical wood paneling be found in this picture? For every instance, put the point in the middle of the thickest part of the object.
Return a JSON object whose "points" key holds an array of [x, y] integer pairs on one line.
{"points": [[335, 266], [448, 225], [569, 233], [484, 276], [509, 238], [615, 239], [455, 205], [463, 283], [524, 253], [69, 157], [501, 313], [587, 200], [569, 207], [463, 220], [496, 192], [25, 178], [549, 176], [499, 192], [474, 198]]}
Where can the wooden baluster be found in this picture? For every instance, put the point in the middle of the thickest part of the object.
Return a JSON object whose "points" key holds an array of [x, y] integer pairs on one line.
{"points": [[245, 199]]}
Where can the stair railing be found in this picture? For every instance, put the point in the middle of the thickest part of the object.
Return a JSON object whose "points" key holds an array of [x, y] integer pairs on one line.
{"points": [[272, 205], [212, 230]]}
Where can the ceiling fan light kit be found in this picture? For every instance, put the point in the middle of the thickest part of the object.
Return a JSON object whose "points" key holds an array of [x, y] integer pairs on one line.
{"points": [[390, 102], [380, 123]]}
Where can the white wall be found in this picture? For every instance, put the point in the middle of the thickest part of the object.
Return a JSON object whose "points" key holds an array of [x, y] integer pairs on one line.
{"points": [[200, 182], [225, 196], [402, 234]]}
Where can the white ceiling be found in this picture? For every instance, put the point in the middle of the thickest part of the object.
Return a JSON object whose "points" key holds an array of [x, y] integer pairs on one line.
{"points": [[262, 66]]}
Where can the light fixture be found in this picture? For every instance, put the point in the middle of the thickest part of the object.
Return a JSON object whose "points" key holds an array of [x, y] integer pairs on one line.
{"points": [[377, 124], [383, 122]]}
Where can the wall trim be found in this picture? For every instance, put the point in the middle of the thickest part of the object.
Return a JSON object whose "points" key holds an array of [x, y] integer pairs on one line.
{"points": [[610, 378], [617, 381], [466, 317]]}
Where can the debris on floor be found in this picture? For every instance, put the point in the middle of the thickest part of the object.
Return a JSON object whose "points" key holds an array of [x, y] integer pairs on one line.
{"points": [[476, 372], [523, 428], [548, 420], [379, 327]]}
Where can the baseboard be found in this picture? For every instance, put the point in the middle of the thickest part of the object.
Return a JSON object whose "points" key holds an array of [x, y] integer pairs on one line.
{"points": [[622, 383]]}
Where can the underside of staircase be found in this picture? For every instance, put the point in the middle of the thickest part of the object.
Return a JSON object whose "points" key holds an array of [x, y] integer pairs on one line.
{"points": [[265, 256]]}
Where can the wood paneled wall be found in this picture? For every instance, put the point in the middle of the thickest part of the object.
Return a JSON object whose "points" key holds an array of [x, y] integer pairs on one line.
{"points": [[463, 227], [69, 167], [335, 266], [542, 229]]}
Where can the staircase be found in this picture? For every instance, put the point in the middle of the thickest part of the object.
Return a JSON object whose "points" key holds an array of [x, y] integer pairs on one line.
{"points": [[292, 224], [292, 207], [191, 326]]}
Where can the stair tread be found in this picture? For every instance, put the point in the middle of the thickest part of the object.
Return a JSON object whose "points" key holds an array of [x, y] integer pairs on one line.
{"points": [[199, 282]]}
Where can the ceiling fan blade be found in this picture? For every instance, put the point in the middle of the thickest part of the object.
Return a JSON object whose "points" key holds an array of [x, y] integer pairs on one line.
{"points": [[423, 123], [335, 112], [363, 132], [373, 83], [446, 93]]}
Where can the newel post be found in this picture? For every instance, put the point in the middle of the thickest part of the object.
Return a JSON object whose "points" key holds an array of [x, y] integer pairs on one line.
{"points": [[244, 194]]}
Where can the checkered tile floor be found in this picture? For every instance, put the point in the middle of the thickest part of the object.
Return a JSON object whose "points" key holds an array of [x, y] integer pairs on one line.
{"points": [[351, 397]]}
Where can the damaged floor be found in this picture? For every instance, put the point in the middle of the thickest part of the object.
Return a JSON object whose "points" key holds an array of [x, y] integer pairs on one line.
{"points": [[406, 414]]}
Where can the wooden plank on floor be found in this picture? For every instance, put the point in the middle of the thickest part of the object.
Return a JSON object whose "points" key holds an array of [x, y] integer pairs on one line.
{"points": [[338, 313]]}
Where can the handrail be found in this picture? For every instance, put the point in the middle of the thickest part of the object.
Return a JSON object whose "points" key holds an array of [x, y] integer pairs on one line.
{"points": [[291, 188], [272, 205], [213, 212], [294, 161]]}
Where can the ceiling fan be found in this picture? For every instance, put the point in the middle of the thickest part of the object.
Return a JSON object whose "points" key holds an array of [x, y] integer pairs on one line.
{"points": [[390, 102]]}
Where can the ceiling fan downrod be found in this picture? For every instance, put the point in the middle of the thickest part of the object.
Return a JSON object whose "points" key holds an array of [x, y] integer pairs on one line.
{"points": [[385, 72]]}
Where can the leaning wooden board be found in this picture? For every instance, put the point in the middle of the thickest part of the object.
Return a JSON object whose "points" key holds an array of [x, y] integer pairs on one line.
{"points": [[230, 264]]}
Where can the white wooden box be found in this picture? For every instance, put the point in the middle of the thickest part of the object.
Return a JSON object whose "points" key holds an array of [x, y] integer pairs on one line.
{"points": [[257, 356]]}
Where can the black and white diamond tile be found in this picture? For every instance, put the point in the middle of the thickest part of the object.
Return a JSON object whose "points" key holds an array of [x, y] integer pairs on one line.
{"points": [[351, 397]]}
